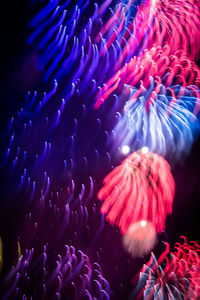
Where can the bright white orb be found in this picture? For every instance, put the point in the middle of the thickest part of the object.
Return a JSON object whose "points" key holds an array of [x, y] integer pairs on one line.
{"points": [[143, 223], [125, 149], [144, 150]]}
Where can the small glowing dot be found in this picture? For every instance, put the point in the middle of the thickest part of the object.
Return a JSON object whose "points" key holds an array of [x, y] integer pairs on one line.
{"points": [[143, 223], [125, 149], [144, 150]]}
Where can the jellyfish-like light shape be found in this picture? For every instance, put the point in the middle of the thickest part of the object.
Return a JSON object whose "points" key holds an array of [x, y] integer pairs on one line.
{"points": [[175, 275], [141, 188], [166, 120]]}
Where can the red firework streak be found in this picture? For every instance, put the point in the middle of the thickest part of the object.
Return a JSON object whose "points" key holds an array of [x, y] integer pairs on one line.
{"points": [[172, 22], [156, 62], [141, 188], [174, 273]]}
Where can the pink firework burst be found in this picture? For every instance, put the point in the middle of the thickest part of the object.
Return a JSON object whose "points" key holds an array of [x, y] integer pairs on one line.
{"points": [[175, 275], [141, 188], [173, 22], [156, 63]]}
